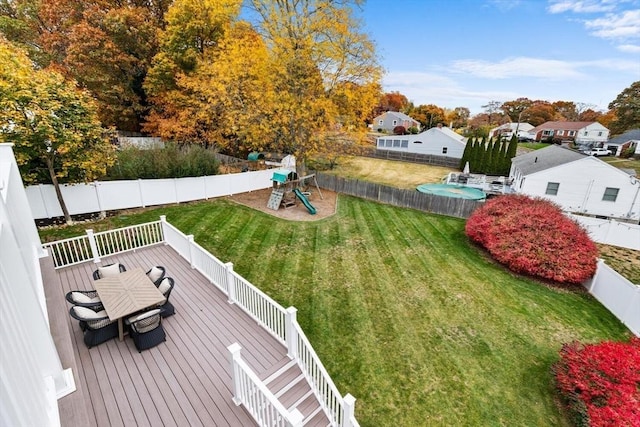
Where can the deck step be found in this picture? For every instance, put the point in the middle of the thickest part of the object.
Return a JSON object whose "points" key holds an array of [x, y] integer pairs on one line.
{"points": [[279, 372], [315, 418], [300, 400], [291, 384]]}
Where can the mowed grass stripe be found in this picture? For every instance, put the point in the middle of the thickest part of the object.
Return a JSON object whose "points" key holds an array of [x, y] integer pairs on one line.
{"points": [[405, 314]]}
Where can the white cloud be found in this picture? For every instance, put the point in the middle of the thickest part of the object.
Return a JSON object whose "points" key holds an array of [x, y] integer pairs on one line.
{"points": [[624, 25], [629, 48], [518, 67], [581, 6]]}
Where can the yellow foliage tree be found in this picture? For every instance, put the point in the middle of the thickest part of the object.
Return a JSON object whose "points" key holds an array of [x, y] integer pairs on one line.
{"points": [[54, 126]]}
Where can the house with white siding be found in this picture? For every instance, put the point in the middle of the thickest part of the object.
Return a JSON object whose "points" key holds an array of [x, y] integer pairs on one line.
{"points": [[578, 183], [437, 141]]}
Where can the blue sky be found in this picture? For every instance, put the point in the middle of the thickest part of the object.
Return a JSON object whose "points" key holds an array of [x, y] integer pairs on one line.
{"points": [[464, 53]]}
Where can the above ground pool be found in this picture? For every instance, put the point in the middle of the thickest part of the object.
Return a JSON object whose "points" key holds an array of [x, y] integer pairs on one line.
{"points": [[451, 190]]}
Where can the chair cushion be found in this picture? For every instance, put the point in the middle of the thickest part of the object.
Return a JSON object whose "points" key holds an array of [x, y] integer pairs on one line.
{"points": [[143, 315], [154, 274], [89, 314], [83, 298], [164, 286], [110, 270]]}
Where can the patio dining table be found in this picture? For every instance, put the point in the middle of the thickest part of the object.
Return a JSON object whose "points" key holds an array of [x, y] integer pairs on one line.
{"points": [[127, 293]]}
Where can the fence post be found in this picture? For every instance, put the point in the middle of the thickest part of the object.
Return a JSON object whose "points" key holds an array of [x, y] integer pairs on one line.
{"points": [[140, 193], [595, 276], [292, 333], [348, 410], [163, 224], [231, 284], [235, 349], [92, 244], [190, 241]]}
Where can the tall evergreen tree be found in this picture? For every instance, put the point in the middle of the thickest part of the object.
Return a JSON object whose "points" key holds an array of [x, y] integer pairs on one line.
{"points": [[505, 163], [473, 157], [511, 151], [482, 155], [466, 154], [496, 160]]}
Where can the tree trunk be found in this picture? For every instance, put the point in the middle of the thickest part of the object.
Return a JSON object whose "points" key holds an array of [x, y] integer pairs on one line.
{"points": [[56, 185]]}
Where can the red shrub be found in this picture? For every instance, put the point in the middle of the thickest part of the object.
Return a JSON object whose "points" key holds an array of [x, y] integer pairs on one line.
{"points": [[601, 382], [533, 237]]}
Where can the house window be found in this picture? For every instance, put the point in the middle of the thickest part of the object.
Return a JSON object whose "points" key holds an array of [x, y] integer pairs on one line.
{"points": [[404, 143], [395, 122], [610, 194], [396, 143], [560, 132], [380, 122], [586, 132], [389, 142], [417, 142], [572, 132], [547, 132], [552, 188], [444, 150], [600, 133], [381, 143]]}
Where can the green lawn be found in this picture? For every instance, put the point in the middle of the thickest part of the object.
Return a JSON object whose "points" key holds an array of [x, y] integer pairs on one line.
{"points": [[405, 314]]}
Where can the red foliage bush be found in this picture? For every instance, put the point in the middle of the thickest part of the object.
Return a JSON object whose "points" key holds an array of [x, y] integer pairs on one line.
{"points": [[533, 237], [399, 130], [601, 382]]}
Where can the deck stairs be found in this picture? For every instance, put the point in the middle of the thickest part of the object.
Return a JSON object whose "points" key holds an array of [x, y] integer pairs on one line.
{"points": [[288, 384]]}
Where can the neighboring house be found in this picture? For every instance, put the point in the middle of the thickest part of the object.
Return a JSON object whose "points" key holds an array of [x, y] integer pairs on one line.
{"points": [[620, 143], [577, 183], [507, 130], [438, 141], [387, 121], [582, 133]]}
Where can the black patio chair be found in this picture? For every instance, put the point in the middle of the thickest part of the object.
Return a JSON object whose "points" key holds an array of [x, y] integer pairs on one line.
{"points": [[96, 325], [89, 299], [156, 274], [166, 286], [146, 329], [108, 270]]}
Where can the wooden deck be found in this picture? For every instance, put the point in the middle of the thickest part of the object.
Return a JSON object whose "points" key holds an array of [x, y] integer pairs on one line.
{"points": [[185, 381]]}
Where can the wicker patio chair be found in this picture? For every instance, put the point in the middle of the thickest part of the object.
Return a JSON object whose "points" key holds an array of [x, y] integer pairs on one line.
{"points": [[156, 274], [146, 329], [89, 299], [166, 286], [108, 270], [97, 326]]}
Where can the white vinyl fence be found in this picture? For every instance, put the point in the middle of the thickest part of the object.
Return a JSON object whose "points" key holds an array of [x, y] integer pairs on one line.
{"points": [[611, 232], [102, 196], [617, 294]]}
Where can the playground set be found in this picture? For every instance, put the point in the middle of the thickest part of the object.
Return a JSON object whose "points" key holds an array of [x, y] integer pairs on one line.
{"points": [[287, 189]]}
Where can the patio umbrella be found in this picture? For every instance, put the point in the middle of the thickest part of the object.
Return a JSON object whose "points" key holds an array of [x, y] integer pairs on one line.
{"points": [[466, 168]]}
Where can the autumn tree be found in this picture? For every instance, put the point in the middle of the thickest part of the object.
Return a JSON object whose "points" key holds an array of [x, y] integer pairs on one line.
{"points": [[627, 109], [53, 124], [539, 112], [493, 110], [428, 115], [106, 46], [459, 117], [316, 47], [516, 109], [393, 101], [181, 71], [565, 110]]}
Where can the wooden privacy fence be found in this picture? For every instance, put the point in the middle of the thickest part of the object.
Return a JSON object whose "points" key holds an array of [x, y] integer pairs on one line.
{"points": [[404, 156], [450, 206]]}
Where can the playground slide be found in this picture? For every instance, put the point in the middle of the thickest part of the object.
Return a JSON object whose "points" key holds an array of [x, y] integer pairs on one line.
{"points": [[305, 201]]}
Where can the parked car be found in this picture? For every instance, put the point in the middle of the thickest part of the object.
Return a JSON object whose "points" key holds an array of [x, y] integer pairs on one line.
{"points": [[525, 138], [598, 151]]}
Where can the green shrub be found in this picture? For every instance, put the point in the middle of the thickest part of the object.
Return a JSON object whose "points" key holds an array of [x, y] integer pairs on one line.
{"points": [[171, 161]]}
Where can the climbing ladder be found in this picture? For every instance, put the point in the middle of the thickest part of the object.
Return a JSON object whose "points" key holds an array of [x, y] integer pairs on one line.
{"points": [[276, 198]]}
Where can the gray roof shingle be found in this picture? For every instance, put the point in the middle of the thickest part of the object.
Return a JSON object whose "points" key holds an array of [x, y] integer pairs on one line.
{"points": [[545, 158], [627, 136]]}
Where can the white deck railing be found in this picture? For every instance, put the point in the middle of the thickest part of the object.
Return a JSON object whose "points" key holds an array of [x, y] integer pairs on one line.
{"points": [[249, 391], [280, 322], [93, 246]]}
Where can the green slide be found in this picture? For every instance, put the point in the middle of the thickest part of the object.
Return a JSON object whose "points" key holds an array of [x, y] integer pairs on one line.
{"points": [[305, 201]]}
